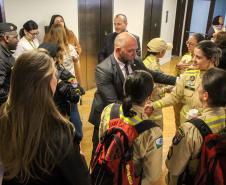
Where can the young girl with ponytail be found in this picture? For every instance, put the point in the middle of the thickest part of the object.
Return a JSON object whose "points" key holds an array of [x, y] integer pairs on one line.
{"points": [[147, 148]]}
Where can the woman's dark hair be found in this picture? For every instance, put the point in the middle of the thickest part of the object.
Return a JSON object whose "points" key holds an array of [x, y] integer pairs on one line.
{"points": [[198, 36], [221, 40], [137, 87], [28, 26], [52, 21], [216, 20], [150, 53], [214, 83], [210, 50]]}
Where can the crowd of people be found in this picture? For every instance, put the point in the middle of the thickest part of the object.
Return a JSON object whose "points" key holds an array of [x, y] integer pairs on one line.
{"points": [[40, 86]]}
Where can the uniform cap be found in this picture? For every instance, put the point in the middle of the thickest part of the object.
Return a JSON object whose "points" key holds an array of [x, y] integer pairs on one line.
{"points": [[7, 27], [158, 44], [53, 49]]}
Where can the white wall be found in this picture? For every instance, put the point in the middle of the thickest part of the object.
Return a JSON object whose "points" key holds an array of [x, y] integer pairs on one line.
{"points": [[135, 16], [167, 29], [41, 11], [20, 11], [134, 11]]}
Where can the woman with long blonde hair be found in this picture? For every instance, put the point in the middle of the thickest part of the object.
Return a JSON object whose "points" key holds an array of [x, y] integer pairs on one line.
{"points": [[69, 58], [38, 145], [72, 39]]}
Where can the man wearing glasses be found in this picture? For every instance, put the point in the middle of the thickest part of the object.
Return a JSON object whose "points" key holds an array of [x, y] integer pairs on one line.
{"points": [[8, 41]]}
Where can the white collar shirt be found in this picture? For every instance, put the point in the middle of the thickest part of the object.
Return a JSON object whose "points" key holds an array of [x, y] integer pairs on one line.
{"points": [[122, 67]]}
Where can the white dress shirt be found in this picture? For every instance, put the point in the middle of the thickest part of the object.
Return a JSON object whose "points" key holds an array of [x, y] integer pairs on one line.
{"points": [[122, 67]]}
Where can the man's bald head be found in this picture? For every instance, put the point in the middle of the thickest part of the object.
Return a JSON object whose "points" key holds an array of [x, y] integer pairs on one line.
{"points": [[125, 47], [123, 39]]}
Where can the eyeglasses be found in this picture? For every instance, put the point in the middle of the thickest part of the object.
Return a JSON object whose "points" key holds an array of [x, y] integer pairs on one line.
{"points": [[189, 43], [59, 21], [34, 34]]}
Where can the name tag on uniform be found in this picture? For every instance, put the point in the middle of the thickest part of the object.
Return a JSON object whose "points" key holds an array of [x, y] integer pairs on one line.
{"points": [[190, 88]]}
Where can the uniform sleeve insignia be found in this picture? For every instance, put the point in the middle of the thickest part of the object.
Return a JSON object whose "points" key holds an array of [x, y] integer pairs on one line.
{"points": [[192, 78], [179, 135], [170, 153], [159, 142]]}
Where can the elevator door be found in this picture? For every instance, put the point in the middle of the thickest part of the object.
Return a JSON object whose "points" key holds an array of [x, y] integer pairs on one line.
{"points": [[93, 24], [152, 22], [2, 11]]}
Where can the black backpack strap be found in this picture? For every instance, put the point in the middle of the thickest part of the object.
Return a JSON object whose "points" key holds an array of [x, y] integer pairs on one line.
{"points": [[145, 125], [115, 111], [203, 128]]}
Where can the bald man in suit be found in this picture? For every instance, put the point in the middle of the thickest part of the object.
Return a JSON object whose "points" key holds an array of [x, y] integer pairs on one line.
{"points": [[110, 76]]}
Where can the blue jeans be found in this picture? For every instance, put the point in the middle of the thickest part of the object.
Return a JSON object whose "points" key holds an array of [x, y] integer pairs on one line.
{"points": [[75, 118]]}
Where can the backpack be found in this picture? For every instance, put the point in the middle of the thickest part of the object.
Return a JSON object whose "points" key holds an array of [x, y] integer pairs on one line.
{"points": [[113, 159], [212, 169]]}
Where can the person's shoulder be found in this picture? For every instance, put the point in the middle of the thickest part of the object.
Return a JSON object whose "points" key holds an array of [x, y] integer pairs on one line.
{"points": [[107, 63], [157, 131], [137, 37], [189, 128], [70, 33], [107, 109], [137, 59], [110, 35], [154, 133], [137, 62], [187, 54]]}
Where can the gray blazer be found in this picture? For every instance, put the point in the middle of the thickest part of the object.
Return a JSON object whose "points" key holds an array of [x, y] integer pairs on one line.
{"points": [[109, 81]]}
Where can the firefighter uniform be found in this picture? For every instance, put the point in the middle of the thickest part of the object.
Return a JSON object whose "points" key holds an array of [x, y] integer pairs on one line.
{"points": [[159, 91], [147, 153], [187, 143], [188, 60], [177, 107], [185, 91]]}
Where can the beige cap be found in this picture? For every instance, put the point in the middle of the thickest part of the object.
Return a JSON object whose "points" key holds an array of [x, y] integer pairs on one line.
{"points": [[157, 44]]}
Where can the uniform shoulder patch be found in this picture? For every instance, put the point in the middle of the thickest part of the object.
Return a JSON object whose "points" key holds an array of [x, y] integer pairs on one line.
{"points": [[179, 135], [159, 142]]}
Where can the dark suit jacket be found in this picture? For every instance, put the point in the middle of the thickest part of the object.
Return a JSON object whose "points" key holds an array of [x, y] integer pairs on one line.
{"points": [[107, 47], [109, 81]]}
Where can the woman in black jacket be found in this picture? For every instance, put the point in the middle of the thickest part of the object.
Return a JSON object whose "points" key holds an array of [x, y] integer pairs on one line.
{"points": [[67, 89], [38, 145]]}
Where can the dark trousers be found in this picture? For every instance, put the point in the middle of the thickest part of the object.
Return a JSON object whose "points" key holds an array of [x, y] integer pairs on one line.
{"points": [[95, 141]]}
